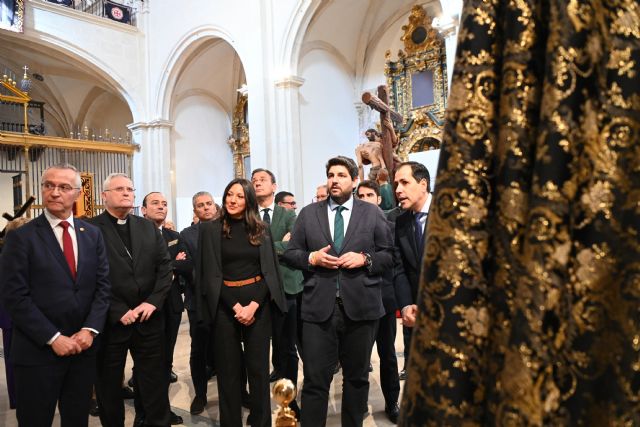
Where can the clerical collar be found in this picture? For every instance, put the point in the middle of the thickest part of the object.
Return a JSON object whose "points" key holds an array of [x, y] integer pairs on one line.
{"points": [[117, 220]]}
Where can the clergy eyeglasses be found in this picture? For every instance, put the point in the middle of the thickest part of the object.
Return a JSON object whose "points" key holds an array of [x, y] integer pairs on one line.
{"points": [[122, 189]]}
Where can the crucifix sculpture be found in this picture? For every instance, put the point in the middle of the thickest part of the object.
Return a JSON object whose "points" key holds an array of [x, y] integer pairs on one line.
{"points": [[389, 138]]}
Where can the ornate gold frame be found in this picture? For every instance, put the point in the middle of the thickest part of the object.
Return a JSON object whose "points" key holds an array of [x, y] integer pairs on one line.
{"points": [[239, 140], [422, 123]]}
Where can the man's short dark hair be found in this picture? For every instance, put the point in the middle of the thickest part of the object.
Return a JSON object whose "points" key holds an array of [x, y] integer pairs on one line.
{"points": [[144, 201], [273, 177], [343, 161], [281, 195], [418, 171], [372, 185]]}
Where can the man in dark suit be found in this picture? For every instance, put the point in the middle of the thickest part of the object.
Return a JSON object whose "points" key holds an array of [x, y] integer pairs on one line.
{"points": [[342, 246], [412, 191], [154, 208], [284, 326], [140, 274], [54, 282], [369, 191], [204, 210]]}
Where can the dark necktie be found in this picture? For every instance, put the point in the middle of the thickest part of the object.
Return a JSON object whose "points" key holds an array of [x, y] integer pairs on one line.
{"points": [[266, 218], [67, 248], [338, 228], [417, 226]]}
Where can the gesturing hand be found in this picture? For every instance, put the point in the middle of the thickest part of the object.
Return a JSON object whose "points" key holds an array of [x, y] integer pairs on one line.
{"points": [[351, 260], [65, 346], [321, 258], [145, 310]]}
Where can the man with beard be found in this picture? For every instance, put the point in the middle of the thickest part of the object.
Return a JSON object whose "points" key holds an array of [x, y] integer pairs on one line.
{"points": [[342, 245]]}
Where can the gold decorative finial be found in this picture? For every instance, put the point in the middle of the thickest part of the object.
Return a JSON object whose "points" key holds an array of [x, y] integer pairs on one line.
{"points": [[283, 393]]}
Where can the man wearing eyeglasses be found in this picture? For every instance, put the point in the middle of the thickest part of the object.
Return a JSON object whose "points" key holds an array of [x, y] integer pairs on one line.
{"points": [[286, 200], [140, 272], [285, 328], [54, 282]]}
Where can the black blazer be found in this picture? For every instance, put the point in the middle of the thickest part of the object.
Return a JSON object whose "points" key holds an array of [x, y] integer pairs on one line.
{"points": [[407, 272], [209, 270], [189, 244], [40, 294], [143, 277], [174, 298], [360, 289]]}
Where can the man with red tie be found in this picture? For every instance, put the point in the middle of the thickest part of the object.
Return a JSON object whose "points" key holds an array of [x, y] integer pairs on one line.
{"points": [[54, 283]]}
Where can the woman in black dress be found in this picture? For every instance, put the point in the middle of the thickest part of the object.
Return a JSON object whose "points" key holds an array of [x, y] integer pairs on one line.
{"points": [[238, 277]]}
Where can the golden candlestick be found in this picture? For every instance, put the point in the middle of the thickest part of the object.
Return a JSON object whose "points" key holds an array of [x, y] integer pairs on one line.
{"points": [[283, 393]]}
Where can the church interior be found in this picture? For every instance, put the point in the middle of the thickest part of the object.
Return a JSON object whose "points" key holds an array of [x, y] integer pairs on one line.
{"points": [[530, 285], [184, 99]]}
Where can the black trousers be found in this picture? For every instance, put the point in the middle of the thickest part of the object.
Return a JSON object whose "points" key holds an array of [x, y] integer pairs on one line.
{"points": [[285, 341], [66, 384], [171, 326], [406, 338], [232, 359], [201, 339], [146, 344], [385, 343], [338, 338]]}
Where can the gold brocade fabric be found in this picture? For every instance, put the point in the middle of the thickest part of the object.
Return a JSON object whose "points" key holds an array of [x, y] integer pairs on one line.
{"points": [[529, 308]]}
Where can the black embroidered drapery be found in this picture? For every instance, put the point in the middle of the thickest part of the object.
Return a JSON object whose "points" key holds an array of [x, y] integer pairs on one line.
{"points": [[530, 295]]}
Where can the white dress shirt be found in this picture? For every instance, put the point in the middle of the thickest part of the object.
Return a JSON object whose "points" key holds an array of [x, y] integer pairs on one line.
{"points": [[346, 214]]}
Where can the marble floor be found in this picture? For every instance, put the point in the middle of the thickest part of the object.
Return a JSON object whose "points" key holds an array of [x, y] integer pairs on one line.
{"points": [[181, 393]]}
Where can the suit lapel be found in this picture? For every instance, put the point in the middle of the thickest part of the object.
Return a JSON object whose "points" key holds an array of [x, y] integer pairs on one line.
{"points": [[111, 236], [136, 237], [217, 243], [323, 220], [83, 244], [49, 238], [407, 239], [355, 211], [277, 217]]}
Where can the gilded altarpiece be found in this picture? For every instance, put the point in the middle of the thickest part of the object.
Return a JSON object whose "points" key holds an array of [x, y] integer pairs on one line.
{"points": [[417, 83], [239, 140]]}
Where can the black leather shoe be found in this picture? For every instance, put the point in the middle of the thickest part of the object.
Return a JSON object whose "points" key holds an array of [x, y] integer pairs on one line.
{"points": [[198, 404], [94, 411], [403, 375], [127, 392], [370, 367], [246, 400], [173, 377], [175, 419], [130, 382], [138, 421], [393, 412]]}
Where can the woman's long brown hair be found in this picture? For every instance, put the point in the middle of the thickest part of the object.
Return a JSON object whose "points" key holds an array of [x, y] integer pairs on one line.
{"points": [[254, 226]]}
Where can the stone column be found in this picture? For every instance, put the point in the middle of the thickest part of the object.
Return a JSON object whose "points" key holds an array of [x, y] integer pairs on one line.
{"points": [[153, 168], [287, 163]]}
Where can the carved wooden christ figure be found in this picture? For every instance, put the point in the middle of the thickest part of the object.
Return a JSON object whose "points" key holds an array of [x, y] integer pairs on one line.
{"points": [[389, 138]]}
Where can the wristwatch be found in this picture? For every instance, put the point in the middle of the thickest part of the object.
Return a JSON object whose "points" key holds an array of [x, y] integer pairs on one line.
{"points": [[367, 260]]}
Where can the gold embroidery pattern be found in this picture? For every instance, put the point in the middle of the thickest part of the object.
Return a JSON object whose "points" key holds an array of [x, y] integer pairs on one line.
{"points": [[530, 293]]}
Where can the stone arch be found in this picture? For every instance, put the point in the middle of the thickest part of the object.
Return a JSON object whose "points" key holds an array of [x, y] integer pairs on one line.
{"points": [[180, 57], [91, 64]]}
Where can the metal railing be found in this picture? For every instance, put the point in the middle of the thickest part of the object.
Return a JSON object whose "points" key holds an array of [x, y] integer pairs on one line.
{"points": [[97, 8]]}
